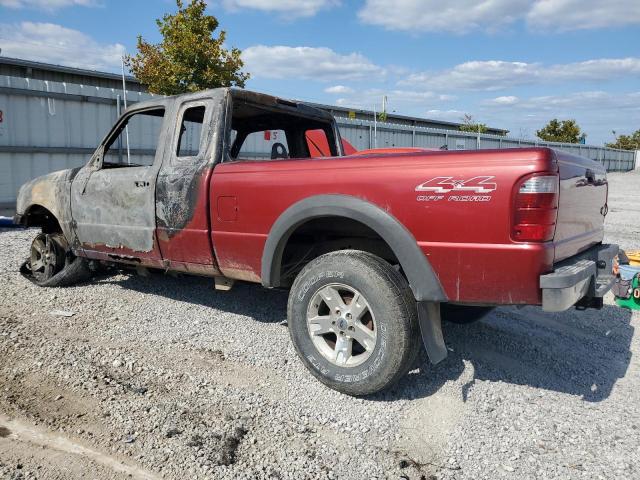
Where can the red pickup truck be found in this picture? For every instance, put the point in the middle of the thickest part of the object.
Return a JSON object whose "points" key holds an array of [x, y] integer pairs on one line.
{"points": [[373, 247]]}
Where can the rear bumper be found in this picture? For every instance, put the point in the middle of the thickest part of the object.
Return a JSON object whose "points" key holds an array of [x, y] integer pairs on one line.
{"points": [[582, 279]]}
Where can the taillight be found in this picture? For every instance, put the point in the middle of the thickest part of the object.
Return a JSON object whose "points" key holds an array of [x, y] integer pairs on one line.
{"points": [[535, 208]]}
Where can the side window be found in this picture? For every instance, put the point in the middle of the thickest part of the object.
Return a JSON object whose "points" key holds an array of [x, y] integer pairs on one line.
{"points": [[191, 132], [135, 143], [265, 144]]}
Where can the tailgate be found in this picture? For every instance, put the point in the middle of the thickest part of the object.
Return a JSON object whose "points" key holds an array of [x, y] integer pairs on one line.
{"points": [[582, 205]]}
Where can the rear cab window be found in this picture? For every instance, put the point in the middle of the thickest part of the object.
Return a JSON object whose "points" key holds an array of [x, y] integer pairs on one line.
{"points": [[278, 130], [264, 144]]}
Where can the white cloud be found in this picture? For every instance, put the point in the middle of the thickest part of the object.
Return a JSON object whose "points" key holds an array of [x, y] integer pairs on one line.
{"points": [[48, 42], [497, 75], [590, 100], [403, 96], [600, 69], [563, 15], [457, 16], [312, 63], [451, 115], [365, 99], [398, 100], [597, 112], [339, 90], [462, 16], [477, 75], [590, 103], [48, 5], [506, 100], [290, 8]]}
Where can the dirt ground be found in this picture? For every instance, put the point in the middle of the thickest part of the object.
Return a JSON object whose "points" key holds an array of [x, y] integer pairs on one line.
{"points": [[162, 377]]}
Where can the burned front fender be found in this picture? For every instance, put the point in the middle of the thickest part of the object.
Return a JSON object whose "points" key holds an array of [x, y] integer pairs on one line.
{"points": [[48, 193]]}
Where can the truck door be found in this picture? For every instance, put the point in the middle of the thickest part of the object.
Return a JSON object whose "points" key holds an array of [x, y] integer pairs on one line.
{"points": [[182, 206], [113, 197]]}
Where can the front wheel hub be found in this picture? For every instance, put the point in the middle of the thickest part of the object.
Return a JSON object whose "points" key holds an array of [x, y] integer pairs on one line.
{"points": [[45, 257]]}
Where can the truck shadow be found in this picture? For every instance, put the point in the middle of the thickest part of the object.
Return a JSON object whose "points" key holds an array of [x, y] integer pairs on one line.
{"points": [[254, 301], [581, 353]]}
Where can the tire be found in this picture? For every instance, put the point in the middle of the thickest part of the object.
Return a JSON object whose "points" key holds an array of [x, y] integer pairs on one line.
{"points": [[61, 269], [383, 322], [462, 314]]}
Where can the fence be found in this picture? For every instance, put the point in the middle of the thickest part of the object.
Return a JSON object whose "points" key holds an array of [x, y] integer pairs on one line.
{"points": [[361, 133], [47, 126]]}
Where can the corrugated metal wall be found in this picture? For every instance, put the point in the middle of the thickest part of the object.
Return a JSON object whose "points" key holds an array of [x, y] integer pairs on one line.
{"points": [[47, 126]]}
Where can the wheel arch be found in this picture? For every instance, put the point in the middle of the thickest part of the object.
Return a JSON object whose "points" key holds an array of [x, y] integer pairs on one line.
{"points": [[422, 279], [37, 215]]}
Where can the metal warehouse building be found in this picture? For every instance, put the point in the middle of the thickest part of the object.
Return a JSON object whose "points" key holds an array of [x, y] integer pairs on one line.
{"points": [[52, 117]]}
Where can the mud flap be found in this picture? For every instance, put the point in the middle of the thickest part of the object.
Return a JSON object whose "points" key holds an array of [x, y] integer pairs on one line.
{"points": [[431, 331]]}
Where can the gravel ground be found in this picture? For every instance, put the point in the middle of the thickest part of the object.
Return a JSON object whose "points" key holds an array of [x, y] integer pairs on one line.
{"points": [[163, 377]]}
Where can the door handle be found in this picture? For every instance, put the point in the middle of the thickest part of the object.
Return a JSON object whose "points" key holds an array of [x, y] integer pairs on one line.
{"points": [[141, 183]]}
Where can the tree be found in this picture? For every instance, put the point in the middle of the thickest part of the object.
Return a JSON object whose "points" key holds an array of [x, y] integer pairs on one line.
{"points": [[627, 142], [567, 131], [470, 125], [189, 58]]}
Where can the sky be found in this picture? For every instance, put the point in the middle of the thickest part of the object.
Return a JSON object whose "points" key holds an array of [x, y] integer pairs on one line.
{"points": [[512, 64]]}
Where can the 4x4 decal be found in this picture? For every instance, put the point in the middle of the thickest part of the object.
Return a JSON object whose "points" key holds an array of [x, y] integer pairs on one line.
{"points": [[448, 184], [439, 188]]}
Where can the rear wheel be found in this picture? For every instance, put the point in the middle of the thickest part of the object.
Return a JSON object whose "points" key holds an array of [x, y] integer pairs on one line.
{"points": [[463, 314], [353, 322], [51, 263]]}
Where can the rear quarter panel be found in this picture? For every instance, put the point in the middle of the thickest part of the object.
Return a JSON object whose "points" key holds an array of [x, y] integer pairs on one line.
{"points": [[467, 242]]}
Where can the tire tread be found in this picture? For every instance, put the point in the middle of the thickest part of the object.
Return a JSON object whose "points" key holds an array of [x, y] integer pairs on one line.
{"points": [[393, 284], [75, 270]]}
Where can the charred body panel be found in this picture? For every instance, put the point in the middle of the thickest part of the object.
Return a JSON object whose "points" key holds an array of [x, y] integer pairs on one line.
{"points": [[112, 214], [156, 215], [49, 192], [182, 188], [113, 205]]}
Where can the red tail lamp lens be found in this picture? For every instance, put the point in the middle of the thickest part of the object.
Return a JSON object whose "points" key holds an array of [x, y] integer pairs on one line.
{"points": [[536, 208]]}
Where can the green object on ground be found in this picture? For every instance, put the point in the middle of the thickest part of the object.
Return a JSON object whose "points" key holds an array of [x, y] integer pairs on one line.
{"points": [[631, 302]]}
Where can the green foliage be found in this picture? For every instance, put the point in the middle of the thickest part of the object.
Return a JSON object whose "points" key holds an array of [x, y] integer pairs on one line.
{"points": [[567, 131], [382, 117], [470, 125], [189, 58], [627, 142]]}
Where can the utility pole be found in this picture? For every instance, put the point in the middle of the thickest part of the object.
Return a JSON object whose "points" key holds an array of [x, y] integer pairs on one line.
{"points": [[375, 127], [124, 96]]}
